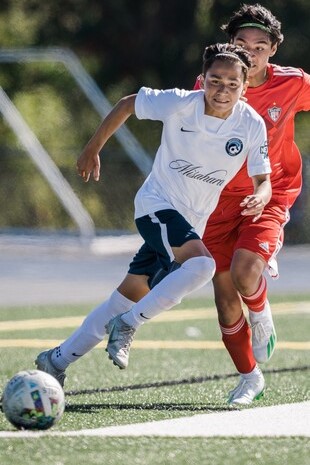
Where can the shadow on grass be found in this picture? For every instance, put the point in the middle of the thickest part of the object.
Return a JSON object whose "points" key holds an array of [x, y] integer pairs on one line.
{"points": [[92, 408], [193, 380]]}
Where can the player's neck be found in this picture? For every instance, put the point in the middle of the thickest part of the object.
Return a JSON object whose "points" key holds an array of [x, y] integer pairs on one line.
{"points": [[259, 78]]}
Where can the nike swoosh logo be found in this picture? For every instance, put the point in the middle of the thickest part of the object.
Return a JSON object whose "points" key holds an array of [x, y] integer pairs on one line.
{"points": [[141, 314], [111, 339], [76, 355], [186, 130]]}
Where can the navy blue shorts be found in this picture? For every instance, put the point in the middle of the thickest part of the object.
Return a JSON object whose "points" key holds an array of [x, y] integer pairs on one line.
{"points": [[161, 231]]}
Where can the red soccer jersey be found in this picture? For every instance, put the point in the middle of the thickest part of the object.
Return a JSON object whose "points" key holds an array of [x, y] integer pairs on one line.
{"points": [[285, 93]]}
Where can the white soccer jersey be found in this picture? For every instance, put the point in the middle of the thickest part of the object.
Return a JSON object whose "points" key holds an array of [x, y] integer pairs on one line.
{"points": [[198, 154]]}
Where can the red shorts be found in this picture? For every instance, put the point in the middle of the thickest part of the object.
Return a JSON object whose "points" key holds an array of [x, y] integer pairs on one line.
{"points": [[227, 230]]}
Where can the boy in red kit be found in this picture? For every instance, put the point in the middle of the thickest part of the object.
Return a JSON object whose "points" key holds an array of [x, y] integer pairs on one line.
{"points": [[243, 249]]}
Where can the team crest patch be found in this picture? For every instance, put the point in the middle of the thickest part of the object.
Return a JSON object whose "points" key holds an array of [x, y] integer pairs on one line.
{"points": [[234, 147], [274, 113]]}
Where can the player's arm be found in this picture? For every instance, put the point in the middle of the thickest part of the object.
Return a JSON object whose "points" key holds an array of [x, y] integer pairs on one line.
{"points": [[303, 94], [254, 204], [89, 161]]}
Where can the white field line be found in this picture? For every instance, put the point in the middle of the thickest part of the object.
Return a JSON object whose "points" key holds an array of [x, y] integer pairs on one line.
{"points": [[280, 420], [173, 315], [148, 344]]}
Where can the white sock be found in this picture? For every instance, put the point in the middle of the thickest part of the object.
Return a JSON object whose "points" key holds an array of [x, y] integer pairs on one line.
{"points": [[91, 331], [192, 275]]}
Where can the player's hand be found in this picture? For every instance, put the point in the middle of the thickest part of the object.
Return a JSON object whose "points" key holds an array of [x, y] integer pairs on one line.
{"points": [[254, 206], [88, 164]]}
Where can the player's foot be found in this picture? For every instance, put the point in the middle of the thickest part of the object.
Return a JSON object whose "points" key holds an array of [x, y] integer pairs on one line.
{"points": [[44, 363], [251, 387], [120, 338], [264, 336]]}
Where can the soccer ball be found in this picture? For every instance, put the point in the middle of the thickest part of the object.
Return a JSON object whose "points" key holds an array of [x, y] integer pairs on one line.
{"points": [[33, 399]]}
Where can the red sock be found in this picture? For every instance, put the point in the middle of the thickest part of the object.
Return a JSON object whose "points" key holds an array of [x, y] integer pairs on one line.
{"points": [[256, 302], [237, 340]]}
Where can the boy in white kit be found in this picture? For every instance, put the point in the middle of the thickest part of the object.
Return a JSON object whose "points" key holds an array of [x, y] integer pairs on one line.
{"points": [[206, 137]]}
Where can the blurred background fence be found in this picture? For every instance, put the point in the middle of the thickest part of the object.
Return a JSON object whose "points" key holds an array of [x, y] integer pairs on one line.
{"points": [[119, 46]]}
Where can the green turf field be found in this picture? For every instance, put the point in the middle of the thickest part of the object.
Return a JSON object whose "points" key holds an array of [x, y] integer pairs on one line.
{"points": [[178, 367]]}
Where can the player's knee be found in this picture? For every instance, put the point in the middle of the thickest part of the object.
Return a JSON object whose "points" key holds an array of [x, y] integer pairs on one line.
{"points": [[246, 274], [203, 267], [243, 282]]}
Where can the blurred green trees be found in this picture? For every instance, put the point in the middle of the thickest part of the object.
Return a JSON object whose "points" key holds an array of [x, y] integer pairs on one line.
{"points": [[123, 45]]}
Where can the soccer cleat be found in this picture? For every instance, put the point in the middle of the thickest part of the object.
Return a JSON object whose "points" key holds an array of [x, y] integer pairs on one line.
{"points": [[120, 339], [264, 336], [44, 363], [251, 387]]}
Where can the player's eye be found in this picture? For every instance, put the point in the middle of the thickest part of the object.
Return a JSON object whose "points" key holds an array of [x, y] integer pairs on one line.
{"points": [[242, 45]]}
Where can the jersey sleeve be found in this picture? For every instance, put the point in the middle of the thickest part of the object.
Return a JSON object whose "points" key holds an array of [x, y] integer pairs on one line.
{"points": [[303, 101], [258, 159], [159, 105]]}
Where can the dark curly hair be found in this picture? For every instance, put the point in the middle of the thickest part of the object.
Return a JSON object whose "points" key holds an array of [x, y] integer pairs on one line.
{"points": [[226, 52], [252, 15]]}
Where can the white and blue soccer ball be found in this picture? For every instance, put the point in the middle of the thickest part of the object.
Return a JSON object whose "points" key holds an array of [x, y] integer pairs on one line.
{"points": [[33, 400]]}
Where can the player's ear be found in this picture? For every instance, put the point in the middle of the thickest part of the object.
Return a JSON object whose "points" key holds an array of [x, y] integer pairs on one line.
{"points": [[201, 81], [273, 51], [245, 87]]}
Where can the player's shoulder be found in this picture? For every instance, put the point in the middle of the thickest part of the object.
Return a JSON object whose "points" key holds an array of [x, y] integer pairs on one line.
{"points": [[186, 96], [178, 93], [165, 103], [186, 93], [286, 72], [175, 97]]}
